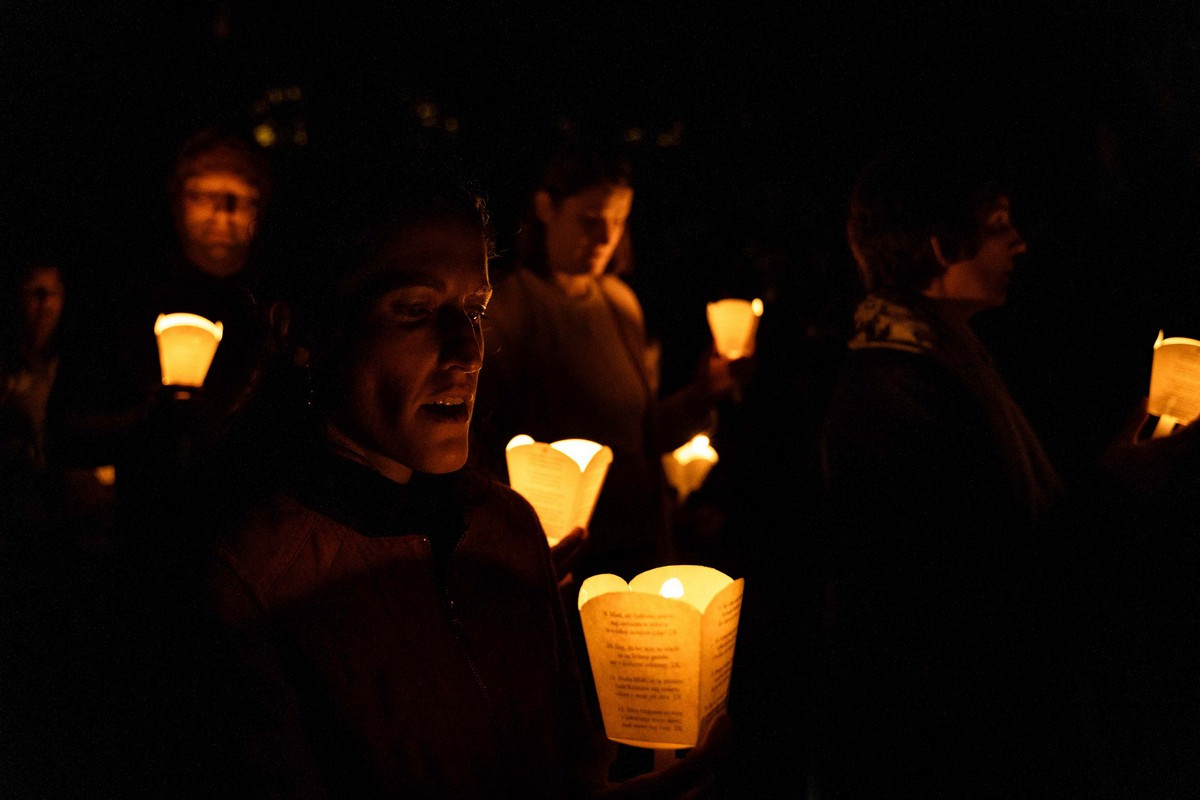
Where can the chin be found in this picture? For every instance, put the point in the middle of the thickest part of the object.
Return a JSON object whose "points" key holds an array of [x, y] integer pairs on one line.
{"points": [[443, 463]]}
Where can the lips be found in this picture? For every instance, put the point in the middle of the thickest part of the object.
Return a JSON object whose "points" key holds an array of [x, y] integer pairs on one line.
{"points": [[454, 407]]}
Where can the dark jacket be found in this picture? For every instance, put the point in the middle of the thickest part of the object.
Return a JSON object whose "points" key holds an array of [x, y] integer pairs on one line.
{"points": [[401, 641], [939, 673]]}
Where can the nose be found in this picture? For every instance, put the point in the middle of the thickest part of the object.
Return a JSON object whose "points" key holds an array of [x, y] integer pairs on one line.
{"points": [[461, 341], [1018, 243]]}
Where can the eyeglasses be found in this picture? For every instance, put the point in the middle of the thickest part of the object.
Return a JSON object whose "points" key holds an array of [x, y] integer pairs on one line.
{"points": [[222, 201]]}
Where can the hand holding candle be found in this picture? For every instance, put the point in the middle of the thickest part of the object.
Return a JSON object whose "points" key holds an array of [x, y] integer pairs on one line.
{"points": [[186, 346], [661, 649], [734, 326], [562, 480], [1174, 382], [687, 466]]}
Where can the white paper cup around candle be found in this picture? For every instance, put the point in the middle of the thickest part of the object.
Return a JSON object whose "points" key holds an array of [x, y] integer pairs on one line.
{"points": [[734, 324], [561, 480], [1175, 380], [661, 649], [186, 346], [688, 466]]}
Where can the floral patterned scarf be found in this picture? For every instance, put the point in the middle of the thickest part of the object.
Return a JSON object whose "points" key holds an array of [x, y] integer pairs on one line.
{"points": [[917, 327]]}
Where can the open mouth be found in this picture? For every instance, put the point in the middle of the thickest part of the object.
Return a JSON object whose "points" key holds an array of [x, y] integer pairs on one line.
{"points": [[451, 409]]}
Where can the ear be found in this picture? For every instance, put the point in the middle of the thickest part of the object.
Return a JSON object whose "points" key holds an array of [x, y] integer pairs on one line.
{"points": [[937, 251], [543, 207]]}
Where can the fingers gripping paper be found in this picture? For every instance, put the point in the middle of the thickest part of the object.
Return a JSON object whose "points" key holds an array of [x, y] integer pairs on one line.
{"points": [[661, 649], [562, 481], [1175, 378]]}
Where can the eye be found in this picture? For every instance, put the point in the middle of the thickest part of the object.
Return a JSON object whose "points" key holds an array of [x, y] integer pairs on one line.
{"points": [[409, 312], [476, 313]]}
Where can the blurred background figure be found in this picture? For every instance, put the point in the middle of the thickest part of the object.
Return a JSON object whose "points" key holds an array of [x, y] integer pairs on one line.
{"points": [[28, 367], [110, 410], [939, 491], [568, 357]]}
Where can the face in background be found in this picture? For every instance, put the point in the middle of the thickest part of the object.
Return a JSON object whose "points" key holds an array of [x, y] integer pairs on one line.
{"points": [[583, 230], [410, 385], [983, 278], [218, 215], [42, 297]]}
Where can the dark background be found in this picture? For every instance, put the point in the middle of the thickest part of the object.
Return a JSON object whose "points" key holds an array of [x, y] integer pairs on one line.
{"points": [[748, 124]]}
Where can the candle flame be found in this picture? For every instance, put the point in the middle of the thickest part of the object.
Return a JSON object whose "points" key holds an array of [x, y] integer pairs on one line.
{"points": [[1158, 342], [698, 448], [757, 307], [520, 440], [581, 451], [168, 321], [672, 588]]}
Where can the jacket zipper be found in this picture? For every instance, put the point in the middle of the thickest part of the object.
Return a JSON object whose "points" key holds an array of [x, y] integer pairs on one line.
{"points": [[456, 624]]}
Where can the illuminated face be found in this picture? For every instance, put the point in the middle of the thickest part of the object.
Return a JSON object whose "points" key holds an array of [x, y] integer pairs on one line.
{"points": [[984, 277], [410, 385], [218, 214], [583, 230], [41, 305]]}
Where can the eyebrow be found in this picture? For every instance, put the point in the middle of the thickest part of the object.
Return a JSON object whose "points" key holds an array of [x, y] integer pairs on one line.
{"points": [[406, 279]]}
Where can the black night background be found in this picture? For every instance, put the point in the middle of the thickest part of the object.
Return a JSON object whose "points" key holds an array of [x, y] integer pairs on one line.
{"points": [[747, 123]]}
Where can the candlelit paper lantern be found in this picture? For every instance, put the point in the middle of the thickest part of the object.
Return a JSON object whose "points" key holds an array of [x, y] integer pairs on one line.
{"points": [[186, 346], [661, 650], [1174, 382], [686, 467], [561, 480], [734, 324]]}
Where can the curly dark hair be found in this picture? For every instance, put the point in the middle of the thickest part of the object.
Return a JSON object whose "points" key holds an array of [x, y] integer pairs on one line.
{"points": [[902, 200]]}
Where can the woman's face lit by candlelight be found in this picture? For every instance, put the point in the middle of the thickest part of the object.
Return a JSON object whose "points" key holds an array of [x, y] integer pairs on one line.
{"points": [[983, 278], [583, 229], [410, 384]]}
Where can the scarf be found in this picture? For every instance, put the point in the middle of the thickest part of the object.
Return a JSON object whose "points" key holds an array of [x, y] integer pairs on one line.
{"points": [[917, 327]]}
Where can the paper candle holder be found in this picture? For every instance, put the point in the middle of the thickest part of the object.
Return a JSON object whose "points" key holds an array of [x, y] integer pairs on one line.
{"points": [[561, 480], [686, 467], [1175, 379], [186, 346], [661, 649], [734, 325]]}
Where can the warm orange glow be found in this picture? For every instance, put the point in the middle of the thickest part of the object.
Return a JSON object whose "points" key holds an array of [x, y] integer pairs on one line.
{"points": [[734, 324], [1174, 395], [186, 346], [561, 480], [581, 451], [687, 467], [672, 588], [661, 649]]}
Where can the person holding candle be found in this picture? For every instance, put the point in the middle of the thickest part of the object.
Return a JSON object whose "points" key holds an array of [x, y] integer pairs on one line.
{"points": [[938, 489], [568, 357], [954, 603], [393, 616], [109, 407]]}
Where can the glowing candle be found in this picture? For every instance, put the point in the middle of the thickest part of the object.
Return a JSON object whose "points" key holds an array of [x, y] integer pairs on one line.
{"points": [[186, 346], [561, 480], [661, 649], [734, 325], [688, 466], [1174, 382]]}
